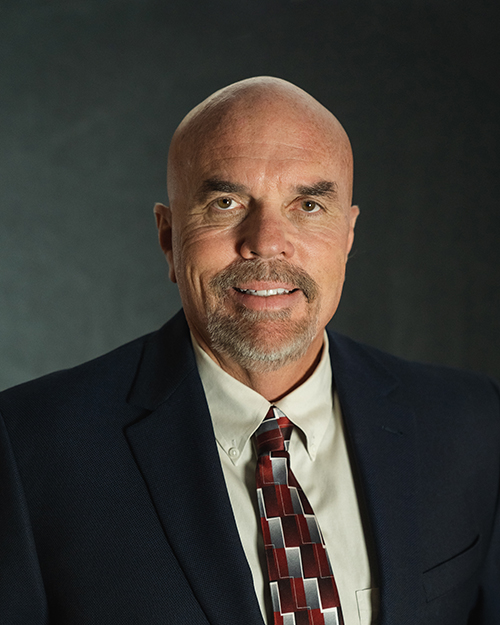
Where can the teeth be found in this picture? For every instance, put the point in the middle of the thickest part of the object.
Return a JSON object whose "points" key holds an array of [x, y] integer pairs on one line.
{"points": [[265, 293]]}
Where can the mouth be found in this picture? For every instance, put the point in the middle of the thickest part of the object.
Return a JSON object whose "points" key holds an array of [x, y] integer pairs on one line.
{"points": [[259, 295], [265, 292]]}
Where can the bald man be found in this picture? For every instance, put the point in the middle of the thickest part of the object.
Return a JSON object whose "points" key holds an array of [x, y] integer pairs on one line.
{"points": [[242, 465]]}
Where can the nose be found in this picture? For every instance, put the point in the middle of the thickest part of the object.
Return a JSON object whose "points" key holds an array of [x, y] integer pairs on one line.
{"points": [[266, 234]]}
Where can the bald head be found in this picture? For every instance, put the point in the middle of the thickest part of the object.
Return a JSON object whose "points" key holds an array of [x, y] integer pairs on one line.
{"points": [[258, 110]]}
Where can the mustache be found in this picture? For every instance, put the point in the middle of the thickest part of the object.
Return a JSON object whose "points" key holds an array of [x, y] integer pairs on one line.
{"points": [[274, 270]]}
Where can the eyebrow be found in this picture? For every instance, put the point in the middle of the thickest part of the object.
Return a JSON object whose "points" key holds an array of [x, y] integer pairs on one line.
{"points": [[320, 189], [216, 185], [323, 188]]}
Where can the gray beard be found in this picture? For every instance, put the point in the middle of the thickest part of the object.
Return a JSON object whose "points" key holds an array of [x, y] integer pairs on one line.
{"points": [[261, 341], [238, 338]]}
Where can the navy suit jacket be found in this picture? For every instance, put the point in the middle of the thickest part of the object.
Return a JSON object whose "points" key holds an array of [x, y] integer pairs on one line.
{"points": [[114, 509]]}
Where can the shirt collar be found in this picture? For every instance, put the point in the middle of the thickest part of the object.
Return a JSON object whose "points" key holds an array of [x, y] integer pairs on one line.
{"points": [[237, 410]]}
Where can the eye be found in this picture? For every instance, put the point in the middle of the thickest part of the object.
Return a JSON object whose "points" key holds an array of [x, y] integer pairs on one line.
{"points": [[309, 206], [225, 203]]}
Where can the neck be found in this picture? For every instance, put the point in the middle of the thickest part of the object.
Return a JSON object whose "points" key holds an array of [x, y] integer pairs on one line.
{"points": [[273, 385]]}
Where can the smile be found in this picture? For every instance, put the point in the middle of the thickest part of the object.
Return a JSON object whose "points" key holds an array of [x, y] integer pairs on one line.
{"points": [[265, 292]]}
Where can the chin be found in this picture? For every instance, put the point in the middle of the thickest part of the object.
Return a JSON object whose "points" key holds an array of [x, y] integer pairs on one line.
{"points": [[262, 345]]}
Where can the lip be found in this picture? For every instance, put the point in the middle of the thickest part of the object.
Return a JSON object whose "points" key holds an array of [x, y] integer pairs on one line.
{"points": [[243, 294]]}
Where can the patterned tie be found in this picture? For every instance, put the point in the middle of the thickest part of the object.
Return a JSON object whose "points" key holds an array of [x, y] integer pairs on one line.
{"points": [[303, 588]]}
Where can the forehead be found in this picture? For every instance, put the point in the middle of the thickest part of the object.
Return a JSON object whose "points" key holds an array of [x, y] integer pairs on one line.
{"points": [[273, 135], [261, 162]]}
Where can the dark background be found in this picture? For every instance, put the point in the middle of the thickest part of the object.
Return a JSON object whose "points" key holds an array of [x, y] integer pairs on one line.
{"points": [[91, 92]]}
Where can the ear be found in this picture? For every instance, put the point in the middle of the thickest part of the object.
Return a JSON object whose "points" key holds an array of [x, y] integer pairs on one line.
{"points": [[163, 216], [352, 216]]}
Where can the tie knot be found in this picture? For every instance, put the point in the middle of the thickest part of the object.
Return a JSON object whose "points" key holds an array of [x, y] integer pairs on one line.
{"points": [[274, 432]]}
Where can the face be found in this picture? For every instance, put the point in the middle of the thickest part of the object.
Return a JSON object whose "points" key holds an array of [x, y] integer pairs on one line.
{"points": [[257, 238]]}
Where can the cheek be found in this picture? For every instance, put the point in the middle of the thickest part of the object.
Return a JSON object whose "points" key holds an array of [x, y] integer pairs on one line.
{"points": [[326, 261], [199, 254], [327, 251]]}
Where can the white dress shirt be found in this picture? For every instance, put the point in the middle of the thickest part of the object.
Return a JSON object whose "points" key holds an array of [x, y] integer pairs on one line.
{"points": [[321, 464]]}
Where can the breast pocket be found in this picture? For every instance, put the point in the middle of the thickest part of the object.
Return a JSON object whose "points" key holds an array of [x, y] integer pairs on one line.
{"points": [[368, 605], [446, 575]]}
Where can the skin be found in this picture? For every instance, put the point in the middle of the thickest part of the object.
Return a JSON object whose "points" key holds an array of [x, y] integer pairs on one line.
{"points": [[260, 173]]}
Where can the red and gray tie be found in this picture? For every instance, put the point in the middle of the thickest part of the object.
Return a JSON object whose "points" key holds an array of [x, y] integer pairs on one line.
{"points": [[303, 588]]}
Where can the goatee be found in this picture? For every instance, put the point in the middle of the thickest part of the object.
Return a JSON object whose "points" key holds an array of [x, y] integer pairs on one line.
{"points": [[264, 340]]}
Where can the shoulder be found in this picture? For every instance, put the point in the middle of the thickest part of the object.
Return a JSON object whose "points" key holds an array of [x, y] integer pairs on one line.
{"points": [[423, 383], [112, 372], [108, 371], [99, 388]]}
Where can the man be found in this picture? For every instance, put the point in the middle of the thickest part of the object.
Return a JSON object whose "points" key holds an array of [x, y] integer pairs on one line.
{"points": [[136, 488]]}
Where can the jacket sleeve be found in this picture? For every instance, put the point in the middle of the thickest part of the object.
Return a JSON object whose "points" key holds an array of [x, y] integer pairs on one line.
{"points": [[22, 596], [489, 598], [487, 610]]}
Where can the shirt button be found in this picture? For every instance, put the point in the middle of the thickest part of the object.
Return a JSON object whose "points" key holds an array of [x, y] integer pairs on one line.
{"points": [[234, 453]]}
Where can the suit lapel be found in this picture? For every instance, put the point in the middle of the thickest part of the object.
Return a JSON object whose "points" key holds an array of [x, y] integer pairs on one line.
{"points": [[381, 435], [175, 448]]}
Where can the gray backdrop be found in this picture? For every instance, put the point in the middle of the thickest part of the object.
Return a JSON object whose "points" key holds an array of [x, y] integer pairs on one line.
{"points": [[91, 92]]}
